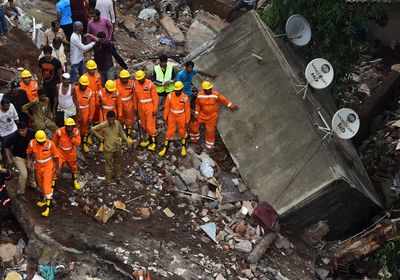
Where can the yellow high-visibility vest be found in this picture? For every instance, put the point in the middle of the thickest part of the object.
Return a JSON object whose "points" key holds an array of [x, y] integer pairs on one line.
{"points": [[160, 77]]}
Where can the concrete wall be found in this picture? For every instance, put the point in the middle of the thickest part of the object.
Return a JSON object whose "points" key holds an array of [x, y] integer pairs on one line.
{"points": [[273, 137]]}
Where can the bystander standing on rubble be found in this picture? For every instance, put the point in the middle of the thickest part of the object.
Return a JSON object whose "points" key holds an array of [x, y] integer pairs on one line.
{"points": [[64, 16], [100, 24], [15, 149], [66, 107], [80, 11], [8, 118], [163, 77], [18, 98], [111, 132], [104, 52], [54, 31], [51, 75], [186, 77], [77, 49], [107, 9]]}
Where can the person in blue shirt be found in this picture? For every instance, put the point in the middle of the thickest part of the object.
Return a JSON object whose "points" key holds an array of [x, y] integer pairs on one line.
{"points": [[186, 77], [64, 15]]}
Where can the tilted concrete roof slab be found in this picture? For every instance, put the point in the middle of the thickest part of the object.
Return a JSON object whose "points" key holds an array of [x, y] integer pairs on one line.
{"points": [[273, 137]]}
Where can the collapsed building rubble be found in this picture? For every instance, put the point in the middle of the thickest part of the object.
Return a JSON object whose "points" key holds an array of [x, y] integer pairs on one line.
{"points": [[281, 155]]}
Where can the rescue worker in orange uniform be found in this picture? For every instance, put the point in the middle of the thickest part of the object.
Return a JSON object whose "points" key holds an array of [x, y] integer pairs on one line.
{"points": [[125, 87], [95, 85], [146, 100], [44, 156], [176, 115], [86, 103], [67, 139], [108, 100], [29, 85], [206, 112]]}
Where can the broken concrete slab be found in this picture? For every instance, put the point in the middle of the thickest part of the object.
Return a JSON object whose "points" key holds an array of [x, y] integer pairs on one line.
{"points": [[172, 30], [204, 28], [287, 164]]}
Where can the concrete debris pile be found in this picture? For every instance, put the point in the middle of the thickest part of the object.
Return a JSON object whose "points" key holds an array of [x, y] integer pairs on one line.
{"points": [[167, 26], [366, 77]]}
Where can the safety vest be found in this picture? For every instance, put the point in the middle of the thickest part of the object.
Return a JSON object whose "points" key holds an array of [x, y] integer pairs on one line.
{"points": [[160, 77], [31, 90]]}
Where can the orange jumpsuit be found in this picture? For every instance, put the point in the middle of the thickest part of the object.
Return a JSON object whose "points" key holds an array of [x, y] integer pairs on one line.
{"points": [[87, 104], [147, 99], [176, 114], [95, 85], [108, 102], [206, 112], [126, 92], [67, 147], [44, 156], [31, 90]]}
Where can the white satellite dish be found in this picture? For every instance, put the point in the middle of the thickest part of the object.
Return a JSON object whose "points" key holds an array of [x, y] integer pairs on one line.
{"points": [[298, 30], [345, 123], [319, 73]]}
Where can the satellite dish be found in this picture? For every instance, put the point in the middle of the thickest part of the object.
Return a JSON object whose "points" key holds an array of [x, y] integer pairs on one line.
{"points": [[319, 73], [298, 30], [345, 123]]}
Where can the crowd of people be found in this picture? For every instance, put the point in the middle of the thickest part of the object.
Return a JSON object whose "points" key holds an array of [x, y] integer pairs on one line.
{"points": [[46, 118]]}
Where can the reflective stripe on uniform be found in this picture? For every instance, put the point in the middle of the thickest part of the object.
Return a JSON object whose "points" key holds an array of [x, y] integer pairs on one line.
{"points": [[108, 107], [43, 160], [126, 98], [177, 111], [84, 107], [208, 96], [66, 148], [148, 100]]}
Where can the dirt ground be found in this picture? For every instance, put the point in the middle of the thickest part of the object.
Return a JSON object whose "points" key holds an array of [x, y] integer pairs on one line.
{"points": [[19, 51]]}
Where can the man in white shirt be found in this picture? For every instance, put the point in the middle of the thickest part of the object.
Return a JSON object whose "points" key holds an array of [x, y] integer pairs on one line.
{"points": [[106, 8], [77, 49], [8, 117]]}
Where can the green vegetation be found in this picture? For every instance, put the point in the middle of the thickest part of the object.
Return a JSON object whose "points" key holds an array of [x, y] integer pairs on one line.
{"points": [[339, 29]]}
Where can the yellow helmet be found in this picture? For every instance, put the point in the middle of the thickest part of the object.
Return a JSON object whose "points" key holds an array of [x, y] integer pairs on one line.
{"points": [[69, 122], [124, 74], [111, 86], [178, 85], [26, 74], [140, 75], [91, 65], [40, 136], [207, 85], [84, 80]]}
